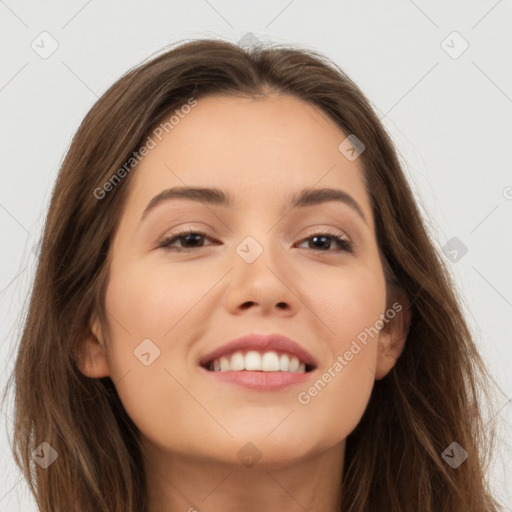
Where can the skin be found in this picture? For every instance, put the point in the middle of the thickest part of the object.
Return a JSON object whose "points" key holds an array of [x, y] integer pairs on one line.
{"points": [[193, 427]]}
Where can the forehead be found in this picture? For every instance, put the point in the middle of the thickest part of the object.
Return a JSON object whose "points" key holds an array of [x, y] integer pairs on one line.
{"points": [[261, 151]]}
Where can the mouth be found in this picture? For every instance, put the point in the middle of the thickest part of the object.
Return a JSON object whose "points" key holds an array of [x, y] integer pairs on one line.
{"points": [[258, 361]]}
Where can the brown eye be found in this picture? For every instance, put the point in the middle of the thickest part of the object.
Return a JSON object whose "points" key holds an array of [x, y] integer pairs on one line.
{"points": [[189, 240], [324, 242]]}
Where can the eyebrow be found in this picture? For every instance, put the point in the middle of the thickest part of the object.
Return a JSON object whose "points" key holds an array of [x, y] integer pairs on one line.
{"points": [[217, 197]]}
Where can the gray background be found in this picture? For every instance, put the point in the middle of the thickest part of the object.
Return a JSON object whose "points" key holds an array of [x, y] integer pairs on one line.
{"points": [[449, 113]]}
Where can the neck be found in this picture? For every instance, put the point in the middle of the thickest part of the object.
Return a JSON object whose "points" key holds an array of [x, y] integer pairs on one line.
{"points": [[177, 482]]}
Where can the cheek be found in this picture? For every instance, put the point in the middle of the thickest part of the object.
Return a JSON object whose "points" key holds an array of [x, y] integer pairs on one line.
{"points": [[351, 310], [149, 301], [348, 364], [349, 304], [147, 311]]}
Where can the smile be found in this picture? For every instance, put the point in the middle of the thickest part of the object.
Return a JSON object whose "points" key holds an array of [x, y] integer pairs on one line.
{"points": [[262, 361]]}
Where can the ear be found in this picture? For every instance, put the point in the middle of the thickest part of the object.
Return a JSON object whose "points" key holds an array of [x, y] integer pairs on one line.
{"points": [[92, 357], [392, 337]]}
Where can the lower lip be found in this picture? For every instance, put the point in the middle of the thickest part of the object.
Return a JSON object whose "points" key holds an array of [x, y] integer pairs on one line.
{"points": [[260, 381]]}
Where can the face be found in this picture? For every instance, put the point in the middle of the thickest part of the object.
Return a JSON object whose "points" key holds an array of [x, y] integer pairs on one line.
{"points": [[311, 273]]}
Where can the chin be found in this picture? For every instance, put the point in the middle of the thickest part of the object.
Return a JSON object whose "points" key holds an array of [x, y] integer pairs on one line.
{"points": [[278, 450]]}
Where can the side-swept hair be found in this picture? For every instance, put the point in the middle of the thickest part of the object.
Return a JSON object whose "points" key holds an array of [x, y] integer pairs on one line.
{"points": [[431, 397]]}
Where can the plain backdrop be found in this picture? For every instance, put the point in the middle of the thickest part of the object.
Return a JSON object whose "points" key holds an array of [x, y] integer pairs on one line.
{"points": [[438, 73]]}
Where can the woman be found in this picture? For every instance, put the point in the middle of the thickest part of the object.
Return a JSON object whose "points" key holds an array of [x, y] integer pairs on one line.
{"points": [[237, 305]]}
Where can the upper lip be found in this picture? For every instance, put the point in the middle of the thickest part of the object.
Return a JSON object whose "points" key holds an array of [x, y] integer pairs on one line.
{"points": [[277, 342]]}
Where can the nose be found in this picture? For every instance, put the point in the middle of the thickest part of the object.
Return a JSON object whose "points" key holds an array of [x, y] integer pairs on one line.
{"points": [[263, 286]]}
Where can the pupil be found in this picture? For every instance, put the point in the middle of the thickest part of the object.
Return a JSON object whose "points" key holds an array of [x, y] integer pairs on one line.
{"points": [[191, 235], [321, 237]]}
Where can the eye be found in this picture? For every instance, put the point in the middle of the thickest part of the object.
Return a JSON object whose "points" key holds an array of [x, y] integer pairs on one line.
{"points": [[189, 237], [322, 241]]}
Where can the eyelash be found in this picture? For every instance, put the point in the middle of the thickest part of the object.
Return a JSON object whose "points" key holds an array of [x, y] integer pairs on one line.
{"points": [[343, 244]]}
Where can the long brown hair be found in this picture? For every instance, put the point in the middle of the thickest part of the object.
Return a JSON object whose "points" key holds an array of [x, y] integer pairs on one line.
{"points": [[432, 397]]}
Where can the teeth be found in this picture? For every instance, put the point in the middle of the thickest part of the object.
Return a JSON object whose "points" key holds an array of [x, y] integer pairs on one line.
{"points": [[237, 361], [294, 364], [252, 360], [269, 361], [224, 364]]}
